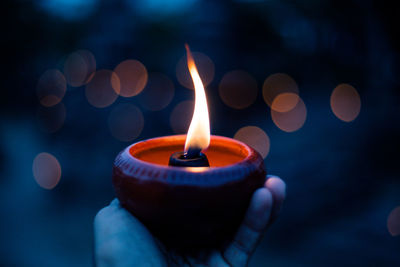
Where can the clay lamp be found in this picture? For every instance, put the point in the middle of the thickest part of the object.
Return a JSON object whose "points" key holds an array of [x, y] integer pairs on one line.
{"points": [[195, 198]]}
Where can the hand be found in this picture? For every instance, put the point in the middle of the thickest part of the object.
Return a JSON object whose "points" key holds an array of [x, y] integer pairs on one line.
{"points": [[122, 240]]}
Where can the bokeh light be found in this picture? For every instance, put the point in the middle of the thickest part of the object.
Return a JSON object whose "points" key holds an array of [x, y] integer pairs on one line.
{"points": [[158, 10], [103, 89], [345, 102], [158, 92], [254, 137], [51, 119], [79, 68], [292, 120], [51, 87], [204, 65], [277, 84], [68, 9], [126, 122], [46, 170], [393, 222], [181, 116], [285, 102], [133, 77], [238, 89]]}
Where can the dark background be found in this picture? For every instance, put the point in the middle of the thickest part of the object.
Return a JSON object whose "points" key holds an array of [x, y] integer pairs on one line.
{"points": [[342, 178]]}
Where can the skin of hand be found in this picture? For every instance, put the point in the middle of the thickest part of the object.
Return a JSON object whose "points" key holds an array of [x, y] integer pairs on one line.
{"points": [[122, 240]]}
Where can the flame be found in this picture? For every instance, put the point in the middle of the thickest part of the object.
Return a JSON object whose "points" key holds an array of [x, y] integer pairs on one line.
{"points": [[198, 136]]}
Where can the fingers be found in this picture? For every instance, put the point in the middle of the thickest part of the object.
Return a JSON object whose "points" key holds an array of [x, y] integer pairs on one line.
{"points": [[277, 187], [250, 232], [121, 240]]}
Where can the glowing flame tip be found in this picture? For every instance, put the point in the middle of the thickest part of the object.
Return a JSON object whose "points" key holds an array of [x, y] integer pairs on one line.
{"points": [[198, 136]]}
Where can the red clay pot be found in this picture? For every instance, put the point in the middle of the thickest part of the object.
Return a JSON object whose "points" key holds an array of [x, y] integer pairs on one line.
{"points": [[188, 207]]}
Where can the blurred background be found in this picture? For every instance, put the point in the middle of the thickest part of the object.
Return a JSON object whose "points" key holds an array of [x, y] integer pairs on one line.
{"points": [[312, 85]]}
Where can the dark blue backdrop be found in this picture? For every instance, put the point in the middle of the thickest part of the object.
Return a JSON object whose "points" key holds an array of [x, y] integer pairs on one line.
{"points": [[342, 177]]}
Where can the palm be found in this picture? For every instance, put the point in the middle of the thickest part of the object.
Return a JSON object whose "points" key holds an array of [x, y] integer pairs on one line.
{"points": [[122, 240]]}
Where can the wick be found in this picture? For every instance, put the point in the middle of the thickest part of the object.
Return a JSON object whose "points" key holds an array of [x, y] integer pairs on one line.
{"points": [[191, 158], [192, 153]]}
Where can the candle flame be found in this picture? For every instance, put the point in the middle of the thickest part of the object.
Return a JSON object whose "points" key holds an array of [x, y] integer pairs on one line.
{"points": [[198, 136]]}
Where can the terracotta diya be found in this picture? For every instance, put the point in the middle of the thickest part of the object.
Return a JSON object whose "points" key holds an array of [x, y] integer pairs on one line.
{"points": [[189, 199]]}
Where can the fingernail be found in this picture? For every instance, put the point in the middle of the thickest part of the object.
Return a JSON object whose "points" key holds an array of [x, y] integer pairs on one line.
{"points": [[276, 185]]}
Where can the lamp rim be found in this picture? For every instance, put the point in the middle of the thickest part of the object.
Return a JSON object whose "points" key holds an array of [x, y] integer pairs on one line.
{"points": [[132, 166]]}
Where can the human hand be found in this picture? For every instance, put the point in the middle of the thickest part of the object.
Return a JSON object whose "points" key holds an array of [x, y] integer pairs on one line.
{"points": [[122, 240]]}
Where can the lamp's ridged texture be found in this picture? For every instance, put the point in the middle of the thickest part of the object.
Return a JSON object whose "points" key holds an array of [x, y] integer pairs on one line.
{"points": [[188, 207]]}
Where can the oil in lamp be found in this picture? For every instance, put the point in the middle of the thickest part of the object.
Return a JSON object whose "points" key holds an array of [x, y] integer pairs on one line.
{"points": [[193, 190]]}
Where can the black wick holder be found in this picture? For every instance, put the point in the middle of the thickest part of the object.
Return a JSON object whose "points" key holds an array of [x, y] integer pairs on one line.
{"points": [[182, 159]]}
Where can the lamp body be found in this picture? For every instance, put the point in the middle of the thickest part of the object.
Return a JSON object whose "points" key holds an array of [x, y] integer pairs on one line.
{"points": [[188, 207]]}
